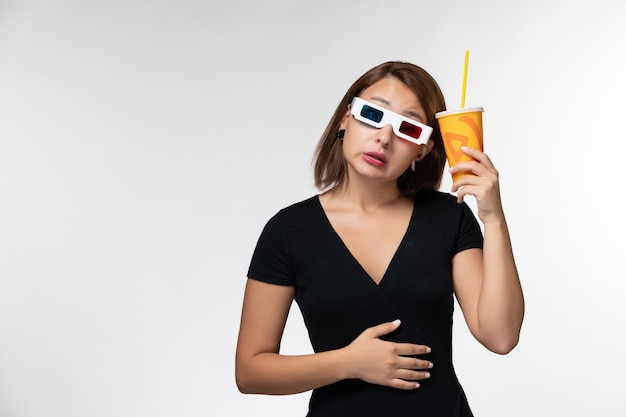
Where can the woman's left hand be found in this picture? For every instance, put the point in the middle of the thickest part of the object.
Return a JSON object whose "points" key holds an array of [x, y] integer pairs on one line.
{"points": [[483, 185]]}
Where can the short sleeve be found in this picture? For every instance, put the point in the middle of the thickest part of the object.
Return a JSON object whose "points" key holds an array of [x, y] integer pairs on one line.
{"points": [[271, 261], [469, 234]]}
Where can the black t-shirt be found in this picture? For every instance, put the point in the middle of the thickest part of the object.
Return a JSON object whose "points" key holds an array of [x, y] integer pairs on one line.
{"points": [[338, 300]]}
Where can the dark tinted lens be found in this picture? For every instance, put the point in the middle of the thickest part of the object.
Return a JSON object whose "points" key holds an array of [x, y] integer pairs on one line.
{"points": [[372, 114], [410, 129]]}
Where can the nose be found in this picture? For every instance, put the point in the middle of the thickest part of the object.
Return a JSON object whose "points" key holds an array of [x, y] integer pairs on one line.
{"points": [[384, 135]]}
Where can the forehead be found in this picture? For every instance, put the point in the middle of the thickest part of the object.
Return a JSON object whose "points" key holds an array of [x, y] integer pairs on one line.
{"points": [[394, 95]]}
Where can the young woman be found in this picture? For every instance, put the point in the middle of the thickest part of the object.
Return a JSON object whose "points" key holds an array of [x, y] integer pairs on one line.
{"points": [[375, 260]]}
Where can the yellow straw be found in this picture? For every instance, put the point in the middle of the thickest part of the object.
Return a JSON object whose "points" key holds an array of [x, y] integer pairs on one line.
{"points": [[464, 80]]}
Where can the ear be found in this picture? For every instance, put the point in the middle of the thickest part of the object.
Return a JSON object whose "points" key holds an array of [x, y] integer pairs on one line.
{"points": [[344, 119], [424, 150]]}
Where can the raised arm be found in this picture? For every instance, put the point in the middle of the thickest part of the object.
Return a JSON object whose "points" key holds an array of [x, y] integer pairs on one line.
{"points": [[486, 282], [261, 369]]}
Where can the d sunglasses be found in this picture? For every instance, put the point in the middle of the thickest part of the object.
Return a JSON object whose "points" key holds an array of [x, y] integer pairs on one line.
{"points": [[378, 117]]}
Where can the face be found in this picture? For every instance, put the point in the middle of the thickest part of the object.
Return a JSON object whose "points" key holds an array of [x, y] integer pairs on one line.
{"points": [[379, 153]]}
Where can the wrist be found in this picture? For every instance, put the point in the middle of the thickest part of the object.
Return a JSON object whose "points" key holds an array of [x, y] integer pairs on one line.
{"points": [[341, 364], [495, 219]]}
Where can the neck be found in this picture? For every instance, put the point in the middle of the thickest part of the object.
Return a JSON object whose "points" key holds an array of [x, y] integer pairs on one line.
{"points": [[366, 195]]}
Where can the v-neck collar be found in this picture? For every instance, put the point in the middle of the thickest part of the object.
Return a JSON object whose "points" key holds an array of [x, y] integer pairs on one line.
{"points": [[358, 264]]}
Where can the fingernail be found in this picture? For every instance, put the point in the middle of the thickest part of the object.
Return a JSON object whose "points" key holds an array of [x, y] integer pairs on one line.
{"points": [[417, 385], [427, 375], [396, 321], [430, 365], [428, 350]]}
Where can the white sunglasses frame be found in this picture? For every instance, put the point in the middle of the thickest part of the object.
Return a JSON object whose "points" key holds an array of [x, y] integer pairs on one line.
{"points": [[390, 118]]}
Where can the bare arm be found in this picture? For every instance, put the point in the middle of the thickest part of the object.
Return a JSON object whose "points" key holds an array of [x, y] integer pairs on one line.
{"points": [[260, 368], [486, 282]]}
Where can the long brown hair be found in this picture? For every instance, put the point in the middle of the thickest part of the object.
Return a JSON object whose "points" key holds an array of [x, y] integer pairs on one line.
{"points": [[329, 162]]}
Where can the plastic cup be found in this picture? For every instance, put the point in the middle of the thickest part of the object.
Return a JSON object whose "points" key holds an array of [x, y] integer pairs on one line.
{"points": [[463, 127]]}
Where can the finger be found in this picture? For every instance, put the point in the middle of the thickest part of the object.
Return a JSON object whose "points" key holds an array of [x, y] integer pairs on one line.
{"points": [[477, 154], [473, 167], [480, 157], [414, 364], [410, 349], [402, 384], [473, 152], [409, 375], [467, 190], [384, 328], [467, 170], [471, 176]]}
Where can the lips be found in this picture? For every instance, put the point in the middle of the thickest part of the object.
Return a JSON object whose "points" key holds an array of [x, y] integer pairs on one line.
{"points": [[375, 158]]}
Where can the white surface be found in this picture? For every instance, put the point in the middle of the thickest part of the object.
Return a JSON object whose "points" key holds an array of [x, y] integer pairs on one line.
{"points": [[143, 146]]}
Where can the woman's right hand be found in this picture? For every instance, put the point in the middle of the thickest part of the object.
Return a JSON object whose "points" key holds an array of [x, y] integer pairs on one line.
{"points": [[386, 363]]}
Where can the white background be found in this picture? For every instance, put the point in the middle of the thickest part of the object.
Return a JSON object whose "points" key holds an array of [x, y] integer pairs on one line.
{"points": [[144, 144]]}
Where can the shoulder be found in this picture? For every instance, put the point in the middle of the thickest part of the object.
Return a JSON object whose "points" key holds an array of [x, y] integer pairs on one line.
{"points": [[437, 200], [444, 206], [304, 205], [444, 215], [296, 210], [295, 215], [433, 196], [280, 243], [287, 231]]}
